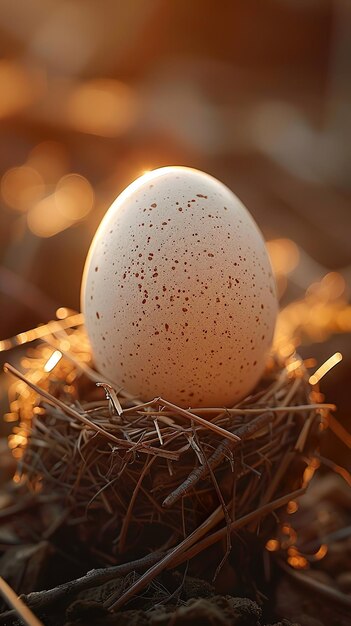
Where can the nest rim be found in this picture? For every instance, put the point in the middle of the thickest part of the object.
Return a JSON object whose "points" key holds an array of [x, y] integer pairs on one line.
{"points": [[283, 400]]}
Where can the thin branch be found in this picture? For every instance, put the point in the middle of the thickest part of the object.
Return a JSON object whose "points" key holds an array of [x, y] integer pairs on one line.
{"points": [[199, 420], [170, 560], [84, 420], [39, 600], [18, 605], [311, 584], [244, 432]]}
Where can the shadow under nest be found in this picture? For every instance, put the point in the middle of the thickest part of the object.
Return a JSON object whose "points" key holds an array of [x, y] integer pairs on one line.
{"points": [[135, 479]]}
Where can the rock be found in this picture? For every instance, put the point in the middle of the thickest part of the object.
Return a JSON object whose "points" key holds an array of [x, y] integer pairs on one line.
{"points": [[215, 611]]}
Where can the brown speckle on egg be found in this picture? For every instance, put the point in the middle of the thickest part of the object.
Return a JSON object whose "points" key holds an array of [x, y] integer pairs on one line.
{"points": [[182, 320]]}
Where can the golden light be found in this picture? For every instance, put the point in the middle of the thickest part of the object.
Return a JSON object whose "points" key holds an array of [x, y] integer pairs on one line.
{"points": [[325, 368], [17, 453], [38, 410], [298, 562], [292, 507], [74, 197], [10, 417], [330, 288], [39, 332], [309, 472], [272, 545], [322, 312], [50, 159], [321, 552], [72, 200], [44, 220], [343, 319], [293, 365], [5, 344], [102, 107], [19, 87], [52, 361], [62, 312], [16, 440], [21, 187], [284, 255], [290, 533]]}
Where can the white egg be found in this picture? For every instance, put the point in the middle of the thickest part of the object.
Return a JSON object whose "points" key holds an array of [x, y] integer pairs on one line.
{"points": [[178, 293]]}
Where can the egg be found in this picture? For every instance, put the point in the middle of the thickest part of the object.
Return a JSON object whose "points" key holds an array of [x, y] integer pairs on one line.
{"points": [[178, 293]]}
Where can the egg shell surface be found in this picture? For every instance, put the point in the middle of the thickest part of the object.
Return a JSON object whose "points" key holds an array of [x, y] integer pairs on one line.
{"points": [[178, 293]]}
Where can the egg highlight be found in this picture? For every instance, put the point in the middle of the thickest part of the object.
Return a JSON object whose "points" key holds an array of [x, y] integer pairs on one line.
{"points": [[178, 293]]}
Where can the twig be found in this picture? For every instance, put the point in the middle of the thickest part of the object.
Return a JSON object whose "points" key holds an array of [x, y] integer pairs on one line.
{"points": [[236, 524], [170, 559], [111, 397], [115, 601], [84, 420], [244, 432], [64, 407], [338, 429], [39, 600], [40, 332], [259, 410], [22, 504], [315, 585], [199, 420], [125, 524], [18, 605]]}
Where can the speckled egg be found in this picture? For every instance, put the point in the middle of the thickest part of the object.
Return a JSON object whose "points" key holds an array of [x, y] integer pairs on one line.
{"points": [[178, 293]]}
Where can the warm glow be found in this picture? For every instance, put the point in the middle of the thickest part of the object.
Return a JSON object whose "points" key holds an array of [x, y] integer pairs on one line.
{"points": [[322, 312], [21, 187], [272, 545], [17, 453], [10, 417], [343, 319], [19, 87], [74, 197], [16, 440], [284, 255], [16, 478], [41, 331], [293, 365], [52, 361], [331, 287], [310, 471], [320, 554], [71, 201], [50, 159], [44, 220], [102, 107], [292, 507], [5, 344], [298, 562], [62, 312], [325, 368]]}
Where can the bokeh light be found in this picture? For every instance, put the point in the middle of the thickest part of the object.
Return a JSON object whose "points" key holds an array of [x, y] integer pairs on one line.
{"points": [[102, 107], [20, 86], [21, 187]]}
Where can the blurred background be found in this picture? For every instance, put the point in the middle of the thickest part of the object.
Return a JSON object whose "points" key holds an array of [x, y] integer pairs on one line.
{"points": [[256, 93]]}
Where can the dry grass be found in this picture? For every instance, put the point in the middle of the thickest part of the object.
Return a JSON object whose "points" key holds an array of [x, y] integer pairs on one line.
{"points": [[154, 476]]}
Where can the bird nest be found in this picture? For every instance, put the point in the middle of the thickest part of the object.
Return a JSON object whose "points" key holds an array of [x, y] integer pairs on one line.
{"points": [[136, 477]]}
